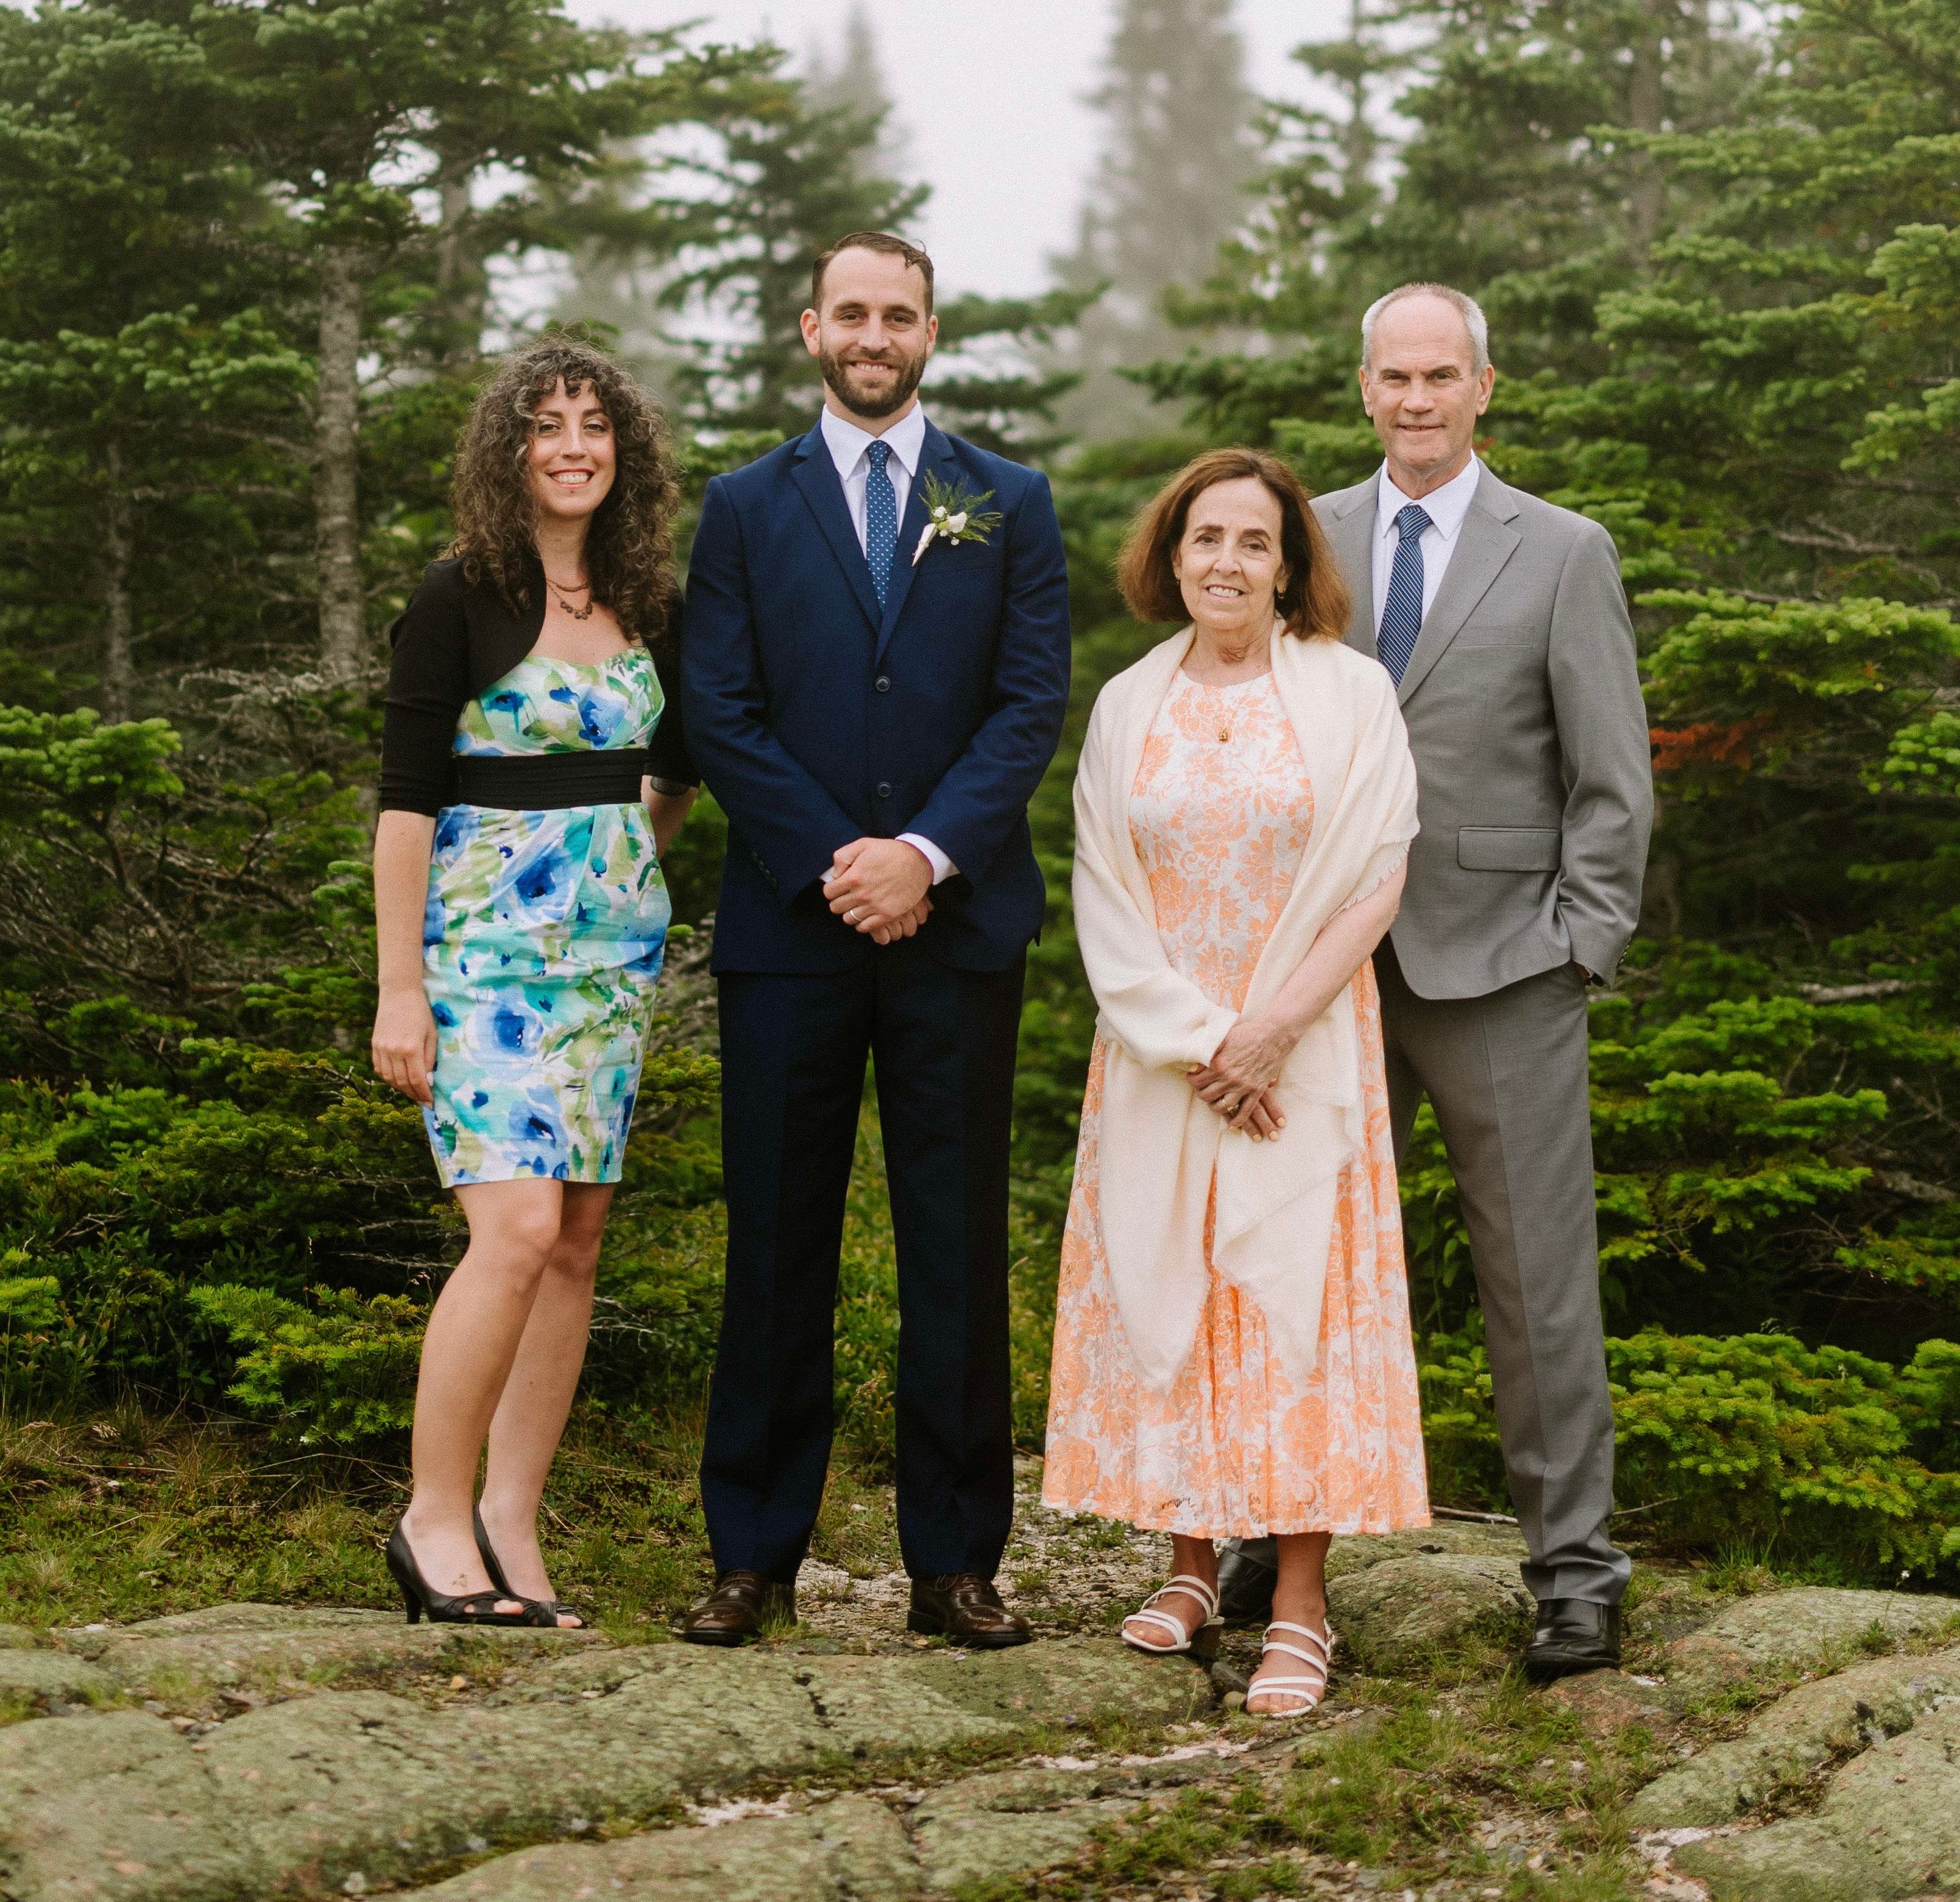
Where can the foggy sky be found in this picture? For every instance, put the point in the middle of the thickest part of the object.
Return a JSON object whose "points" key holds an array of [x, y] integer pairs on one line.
{"points": [[989, 95]]}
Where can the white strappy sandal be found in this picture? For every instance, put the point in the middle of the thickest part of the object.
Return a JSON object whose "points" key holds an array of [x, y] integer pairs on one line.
{"points": [[1309, 1690], [1204, 1641]]}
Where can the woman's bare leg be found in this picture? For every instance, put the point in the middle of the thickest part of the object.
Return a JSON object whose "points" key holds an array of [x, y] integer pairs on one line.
{"points": [[537, 1398], [473, 1339], [1300, 1597], [1199, 1559]]}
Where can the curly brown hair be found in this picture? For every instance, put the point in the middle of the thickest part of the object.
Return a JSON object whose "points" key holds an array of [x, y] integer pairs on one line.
{"points": [[629, 549], [1314, 602]]}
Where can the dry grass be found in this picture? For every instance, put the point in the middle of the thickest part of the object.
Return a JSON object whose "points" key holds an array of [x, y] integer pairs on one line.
{"points": [[134, 1515]]}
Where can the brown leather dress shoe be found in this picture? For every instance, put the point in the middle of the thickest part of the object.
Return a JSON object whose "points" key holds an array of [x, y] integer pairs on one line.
{"points": [[734, 1610], [966, 1608]]}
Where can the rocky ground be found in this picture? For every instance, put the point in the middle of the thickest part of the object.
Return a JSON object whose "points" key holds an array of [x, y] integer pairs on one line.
{"points": [[1775, 1745]]}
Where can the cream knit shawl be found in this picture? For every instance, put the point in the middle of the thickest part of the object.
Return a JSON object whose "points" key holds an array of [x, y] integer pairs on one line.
{"points": [[1159, 1143]]}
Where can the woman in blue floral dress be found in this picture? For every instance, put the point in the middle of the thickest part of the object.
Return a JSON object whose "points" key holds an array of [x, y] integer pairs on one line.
{"points": [[533, 771], [543, 937]]}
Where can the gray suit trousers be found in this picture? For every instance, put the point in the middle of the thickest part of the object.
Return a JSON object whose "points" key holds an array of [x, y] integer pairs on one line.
{"points": [[1506, 1074]]}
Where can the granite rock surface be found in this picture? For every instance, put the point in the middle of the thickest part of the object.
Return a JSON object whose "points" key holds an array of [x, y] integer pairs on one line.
{"points": [[349, 1790]]}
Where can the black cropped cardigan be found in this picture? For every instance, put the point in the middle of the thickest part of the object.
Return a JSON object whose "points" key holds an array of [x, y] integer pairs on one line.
{"points": [[450, 642]]}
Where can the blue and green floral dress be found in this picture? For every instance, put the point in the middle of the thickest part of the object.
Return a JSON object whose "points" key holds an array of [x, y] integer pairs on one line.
{"points": [[543, 939]]}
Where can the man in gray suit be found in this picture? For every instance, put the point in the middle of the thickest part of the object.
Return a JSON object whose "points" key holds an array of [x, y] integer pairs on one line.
{"points": [[1504, 623]]}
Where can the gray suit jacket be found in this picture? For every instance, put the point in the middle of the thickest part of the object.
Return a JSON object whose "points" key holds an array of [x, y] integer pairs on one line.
{"points": [[1530, 740]]}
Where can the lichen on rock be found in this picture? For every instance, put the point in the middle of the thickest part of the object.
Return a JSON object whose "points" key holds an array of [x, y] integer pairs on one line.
{"points": [[1888, 1828], [1394, 1615], [1796, 1736], [1778, 1630]]}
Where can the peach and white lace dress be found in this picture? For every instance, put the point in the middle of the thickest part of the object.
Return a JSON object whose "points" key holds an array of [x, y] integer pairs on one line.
{"points": [[1222, 814]]}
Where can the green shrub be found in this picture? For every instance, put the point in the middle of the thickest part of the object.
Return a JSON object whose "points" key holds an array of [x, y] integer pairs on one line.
{"points": [[262, 1168], [338, 1372], [30, 1313], [1759, 1436], [658, 1305], [1828, 1455]]}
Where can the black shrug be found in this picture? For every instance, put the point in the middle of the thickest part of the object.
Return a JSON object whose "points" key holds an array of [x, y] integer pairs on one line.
{"points": [[451, 641]]}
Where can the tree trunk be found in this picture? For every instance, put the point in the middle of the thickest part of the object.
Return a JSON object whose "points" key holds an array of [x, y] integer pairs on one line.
{"points": [[1646, 110], [1358, 138], [462, 287], [118, 667], [343, 616]]}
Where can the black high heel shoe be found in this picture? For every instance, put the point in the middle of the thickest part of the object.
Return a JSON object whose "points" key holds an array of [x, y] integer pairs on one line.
{"points": [[478, 1608], [556, 1607]]}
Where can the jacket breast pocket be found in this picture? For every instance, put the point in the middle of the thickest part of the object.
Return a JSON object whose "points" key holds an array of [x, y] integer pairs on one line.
{"points": [[1509, 848]]}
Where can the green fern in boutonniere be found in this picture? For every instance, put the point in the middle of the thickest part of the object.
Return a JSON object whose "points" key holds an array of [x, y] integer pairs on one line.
{"points": [[954, 515]]}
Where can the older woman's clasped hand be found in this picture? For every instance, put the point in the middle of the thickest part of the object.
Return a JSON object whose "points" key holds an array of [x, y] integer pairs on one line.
{"points": [[1238, 1082]]}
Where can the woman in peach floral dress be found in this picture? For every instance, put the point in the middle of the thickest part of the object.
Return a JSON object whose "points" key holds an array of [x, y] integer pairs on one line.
{"points": [[1232, 1355]]}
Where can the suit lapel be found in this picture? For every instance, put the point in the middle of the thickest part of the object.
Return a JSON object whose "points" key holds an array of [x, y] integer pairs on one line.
{"points": [[1486, 541], [936, 457], [1352, 533], [816, 476]]}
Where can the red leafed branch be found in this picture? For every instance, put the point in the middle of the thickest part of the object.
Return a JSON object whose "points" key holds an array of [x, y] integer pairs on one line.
{"points": [[1707, 743]]}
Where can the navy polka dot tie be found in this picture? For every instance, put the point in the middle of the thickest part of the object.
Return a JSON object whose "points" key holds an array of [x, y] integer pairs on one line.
{"points": [[1402, 614], [881, 518]]}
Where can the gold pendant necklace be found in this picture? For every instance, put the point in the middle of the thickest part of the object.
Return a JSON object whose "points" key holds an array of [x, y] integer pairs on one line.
{"points": [[578, 587]]}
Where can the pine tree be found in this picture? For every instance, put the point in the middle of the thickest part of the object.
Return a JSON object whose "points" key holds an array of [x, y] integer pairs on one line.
{"points": [[788, 155], [1289, 277], [1320, 183], [1766, 412], [785, 178], [744, 223], [854, 79], [1520, 183], [1783, 406], [1167, 191], [345, 114], [1529, 180], [132, 366]]}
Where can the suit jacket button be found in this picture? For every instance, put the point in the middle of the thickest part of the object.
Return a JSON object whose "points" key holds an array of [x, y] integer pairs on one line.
{"points": [[883, 683], [884, 789]]}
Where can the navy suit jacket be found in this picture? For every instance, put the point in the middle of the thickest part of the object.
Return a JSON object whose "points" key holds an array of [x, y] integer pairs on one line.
{"points": [[816, 718]]}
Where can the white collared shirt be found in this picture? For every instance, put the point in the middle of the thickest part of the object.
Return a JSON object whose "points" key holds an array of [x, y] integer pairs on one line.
{"points": [[849, 445], [1447, 507]]}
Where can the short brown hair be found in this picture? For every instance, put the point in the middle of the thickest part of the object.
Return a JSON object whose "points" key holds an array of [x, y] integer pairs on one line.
{"points": [[1314, 602], [882, 242]]}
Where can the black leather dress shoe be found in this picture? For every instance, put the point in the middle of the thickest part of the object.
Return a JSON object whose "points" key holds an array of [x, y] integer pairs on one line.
{"points": [[1573, 1635], [1248, 1569], [735, 1610], [966, 1608]]}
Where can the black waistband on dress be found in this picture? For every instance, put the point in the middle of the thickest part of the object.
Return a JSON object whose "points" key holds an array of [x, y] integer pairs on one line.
{"points": [[545, 782]]}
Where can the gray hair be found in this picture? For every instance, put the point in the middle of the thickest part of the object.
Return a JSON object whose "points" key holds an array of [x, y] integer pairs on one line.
{"points": [[1465, 308]]}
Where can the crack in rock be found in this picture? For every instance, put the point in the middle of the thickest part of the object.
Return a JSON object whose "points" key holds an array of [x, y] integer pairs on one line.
{"points": [[807, 1679]]}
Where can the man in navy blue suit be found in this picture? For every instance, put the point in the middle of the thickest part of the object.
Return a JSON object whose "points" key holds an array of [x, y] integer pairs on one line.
{"points": [[873, 709]]}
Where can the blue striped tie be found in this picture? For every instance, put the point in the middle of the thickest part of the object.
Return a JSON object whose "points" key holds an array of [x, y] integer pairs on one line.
{"points": [[881, 519], [1401, 617]]}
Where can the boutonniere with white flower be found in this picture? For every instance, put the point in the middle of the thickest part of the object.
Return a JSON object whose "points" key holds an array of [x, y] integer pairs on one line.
{"points": [[954, 515]]}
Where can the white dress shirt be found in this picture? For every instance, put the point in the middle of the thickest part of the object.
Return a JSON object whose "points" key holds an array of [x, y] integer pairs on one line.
{"points": [[1447, 507], [849, 445]]}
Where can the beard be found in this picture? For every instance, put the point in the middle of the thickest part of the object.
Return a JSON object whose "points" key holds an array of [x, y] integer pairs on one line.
{"points": [[872, 403]]}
